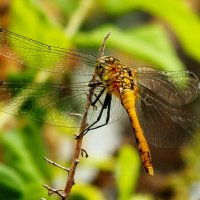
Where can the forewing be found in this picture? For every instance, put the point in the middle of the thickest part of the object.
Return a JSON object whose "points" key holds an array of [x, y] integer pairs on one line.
{"points": [[177, 88], [164, 125], [59, 105], [43, 57]]}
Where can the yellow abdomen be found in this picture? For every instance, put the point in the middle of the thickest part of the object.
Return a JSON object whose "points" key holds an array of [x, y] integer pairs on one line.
{"points": [[128, 100]]}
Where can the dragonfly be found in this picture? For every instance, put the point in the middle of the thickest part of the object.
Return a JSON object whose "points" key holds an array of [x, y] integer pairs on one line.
{"points": [[153, 99]]}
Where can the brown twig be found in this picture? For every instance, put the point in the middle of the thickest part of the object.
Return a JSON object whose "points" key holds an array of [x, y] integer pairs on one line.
{"points": [[55, 164], [75, 161], [78, 150], [79, 138], [77, 153], [53, 191], [103, 45]]}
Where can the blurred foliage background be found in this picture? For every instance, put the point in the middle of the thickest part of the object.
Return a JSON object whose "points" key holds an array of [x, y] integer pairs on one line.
{"points": [[160, 33]]}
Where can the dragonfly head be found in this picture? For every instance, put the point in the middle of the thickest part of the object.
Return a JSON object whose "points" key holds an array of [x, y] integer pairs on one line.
{"points": [[106, 62]]}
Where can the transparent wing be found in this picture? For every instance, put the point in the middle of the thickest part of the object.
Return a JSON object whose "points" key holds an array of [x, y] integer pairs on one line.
{"points": [[43, 57], [177, 88], [59, 105], [54, 104], [163, 124]]}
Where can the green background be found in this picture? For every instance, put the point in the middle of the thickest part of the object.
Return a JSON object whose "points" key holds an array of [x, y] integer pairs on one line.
{"points": [[160, 33]]}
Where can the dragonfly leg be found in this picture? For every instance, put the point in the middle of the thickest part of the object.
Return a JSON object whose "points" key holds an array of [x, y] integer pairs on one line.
{"points": [[107, 117], [98, 97], [94, 84], [106, 105]]}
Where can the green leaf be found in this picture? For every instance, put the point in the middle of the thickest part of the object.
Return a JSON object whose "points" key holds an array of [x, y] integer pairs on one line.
{"points": [[128, 169], [184, 22], [17, 156], [117, 7], [11, 185], [36, 192], [147, 43], [34, 143], [30, 20]]}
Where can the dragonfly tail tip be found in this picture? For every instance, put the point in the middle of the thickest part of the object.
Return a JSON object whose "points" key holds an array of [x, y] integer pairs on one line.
{"points": [[149, 170]]}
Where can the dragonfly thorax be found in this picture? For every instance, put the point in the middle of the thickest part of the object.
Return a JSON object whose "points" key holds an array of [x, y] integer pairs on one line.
{"points": [[114, 76]]}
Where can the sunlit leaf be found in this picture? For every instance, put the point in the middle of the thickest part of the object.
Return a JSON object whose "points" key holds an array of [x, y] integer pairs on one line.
{"points": [[35, 23], [127, 172], [182, 20], [141, 197]]}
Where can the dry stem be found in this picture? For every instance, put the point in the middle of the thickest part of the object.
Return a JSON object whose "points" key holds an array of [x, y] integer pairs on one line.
{"points": [[79, 139], [70, 181], [75, 161]]}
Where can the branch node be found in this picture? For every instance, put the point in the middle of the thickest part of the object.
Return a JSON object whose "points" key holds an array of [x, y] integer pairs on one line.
{"points": [[77, 161], [54, 191], [76, 136]]}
